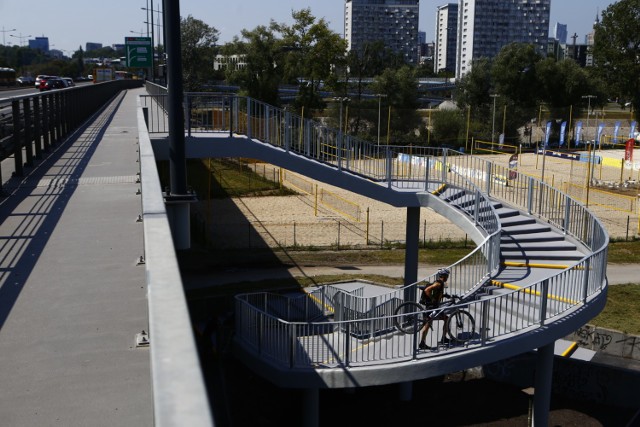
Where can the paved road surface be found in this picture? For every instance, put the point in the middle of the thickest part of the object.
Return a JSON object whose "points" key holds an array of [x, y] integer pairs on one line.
{"points": [[617, 273]]}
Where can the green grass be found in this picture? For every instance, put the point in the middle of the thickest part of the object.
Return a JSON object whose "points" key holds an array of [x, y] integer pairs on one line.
{"points": [[222, 178], [205, 260], [624, 252], [620, 313]]}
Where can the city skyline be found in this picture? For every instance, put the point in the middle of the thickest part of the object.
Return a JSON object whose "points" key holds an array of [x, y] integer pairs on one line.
{"points": [[110, 25]]}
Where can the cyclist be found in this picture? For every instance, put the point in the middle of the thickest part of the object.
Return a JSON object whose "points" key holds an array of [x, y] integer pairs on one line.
{"points": [[433, 295]]}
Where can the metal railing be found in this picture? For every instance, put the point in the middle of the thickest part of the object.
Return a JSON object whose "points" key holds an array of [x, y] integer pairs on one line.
{"points": [[406, 169], [368, 334], [354, 338], [32, 124]]}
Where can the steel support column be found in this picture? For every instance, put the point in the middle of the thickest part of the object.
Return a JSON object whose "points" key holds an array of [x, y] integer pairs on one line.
{"points": [[311, 409], [177, 199], [412, 238], [542, 382]]}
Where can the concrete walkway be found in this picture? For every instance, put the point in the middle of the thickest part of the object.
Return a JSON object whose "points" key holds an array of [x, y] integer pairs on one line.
{"points": [[72, 297]]}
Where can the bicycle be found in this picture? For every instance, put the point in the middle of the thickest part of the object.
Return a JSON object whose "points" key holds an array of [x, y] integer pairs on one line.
{"points": [[460, 326]]}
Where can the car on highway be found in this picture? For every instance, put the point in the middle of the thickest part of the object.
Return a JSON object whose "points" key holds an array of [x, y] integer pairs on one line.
{"points": [[39, 77], [52, 82], [68, 81], [25, 81]]}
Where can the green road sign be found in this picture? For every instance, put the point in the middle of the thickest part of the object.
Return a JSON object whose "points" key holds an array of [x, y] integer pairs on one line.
{"points": [[139, 52]]}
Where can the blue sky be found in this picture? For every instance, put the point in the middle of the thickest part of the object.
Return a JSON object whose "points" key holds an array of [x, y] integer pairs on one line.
{"points": [[72, 23]]}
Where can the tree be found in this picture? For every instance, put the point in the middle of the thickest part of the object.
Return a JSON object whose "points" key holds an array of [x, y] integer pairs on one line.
{"points": [[401, 90], [521, 79], [313, 54], [447, 127], [616, 51], [513, 72], [262, 74], [562, 86], [198, 51], [363, 64], [473, 92]]}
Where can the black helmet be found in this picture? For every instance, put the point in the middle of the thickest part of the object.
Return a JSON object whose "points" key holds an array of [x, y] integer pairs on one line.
{"points": [[443, 272]]}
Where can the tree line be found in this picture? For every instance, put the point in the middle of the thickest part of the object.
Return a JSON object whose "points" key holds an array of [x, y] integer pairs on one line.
{"points": [[373, 91]]}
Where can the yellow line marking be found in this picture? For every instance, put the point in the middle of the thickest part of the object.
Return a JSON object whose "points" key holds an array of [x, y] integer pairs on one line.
{"points": [[529, 291], [318, 301], [569, 351], [535, 265]]}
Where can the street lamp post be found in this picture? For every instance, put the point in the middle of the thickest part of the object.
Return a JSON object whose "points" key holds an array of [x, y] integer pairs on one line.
{"points": [[150, 11], [591, 150], [493, 126], [139, 33], [341, 100], [588, 98], [20, 37], [4, 32], [380, 96]]}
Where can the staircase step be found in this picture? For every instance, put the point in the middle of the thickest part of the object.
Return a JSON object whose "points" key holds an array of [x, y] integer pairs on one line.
{"points": [[453, 195], [506, 212], [542, 236], [517, 221], [537, 246], [525, 229], [541, 255]]}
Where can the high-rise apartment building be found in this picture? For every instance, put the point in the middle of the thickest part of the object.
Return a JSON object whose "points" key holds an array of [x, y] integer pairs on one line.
{"points": [[446, 30], [395, 22], [486, 26]]}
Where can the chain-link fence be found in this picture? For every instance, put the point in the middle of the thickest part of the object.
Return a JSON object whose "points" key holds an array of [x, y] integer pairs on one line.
{"points": [[319, 216]]}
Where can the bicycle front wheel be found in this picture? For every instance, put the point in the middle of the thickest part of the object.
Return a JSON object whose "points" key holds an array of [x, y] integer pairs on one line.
{"points": [[461, 326], [409, 317]]}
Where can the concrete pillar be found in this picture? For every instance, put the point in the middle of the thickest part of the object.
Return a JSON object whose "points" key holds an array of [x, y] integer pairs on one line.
{"points": [[542, 384], [179, 214]]}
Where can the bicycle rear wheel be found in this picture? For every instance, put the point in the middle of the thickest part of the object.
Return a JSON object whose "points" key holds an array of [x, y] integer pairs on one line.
{"points": [[461, 326], [409, 317]]}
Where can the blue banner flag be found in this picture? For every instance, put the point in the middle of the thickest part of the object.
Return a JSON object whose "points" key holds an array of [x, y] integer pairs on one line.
{"points": [[600, 129], [578, 131], [563, 128], [616, 129], [632, 130], [547, 134]]}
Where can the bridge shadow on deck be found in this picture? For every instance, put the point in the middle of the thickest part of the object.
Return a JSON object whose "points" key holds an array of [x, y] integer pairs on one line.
{"points": [[33, 204]]}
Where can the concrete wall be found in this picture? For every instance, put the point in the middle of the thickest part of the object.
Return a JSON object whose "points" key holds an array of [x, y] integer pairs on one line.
{"points": [[607, 341], [573, 378], [589, 381]]}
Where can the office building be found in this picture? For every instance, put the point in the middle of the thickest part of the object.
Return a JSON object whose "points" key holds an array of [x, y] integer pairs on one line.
{"points": [[560, 33], [486, 26], [92, 46], [394, 22], [446, 31], [40, 43]]}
